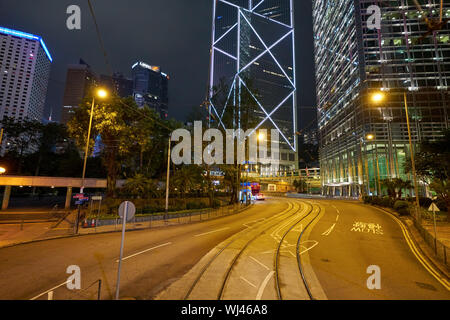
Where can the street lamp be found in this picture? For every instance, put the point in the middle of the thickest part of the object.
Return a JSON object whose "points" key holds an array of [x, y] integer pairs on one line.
{"points": [[102, 94], [2, 170], [371, 137], [378, 97]]}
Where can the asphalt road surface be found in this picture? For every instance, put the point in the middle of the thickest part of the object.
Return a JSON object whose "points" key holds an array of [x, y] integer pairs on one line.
{"points": [[279, 248]]}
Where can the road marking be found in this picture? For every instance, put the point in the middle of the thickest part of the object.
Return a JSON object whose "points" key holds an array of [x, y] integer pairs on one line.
{"points": [[327, 233], [60, 285], [307, 249], [260, 263], [417, 253], [136, 254], [248, 282], [367, 228], [264, 285], [254, 221], [337, 218], [206, 233]]}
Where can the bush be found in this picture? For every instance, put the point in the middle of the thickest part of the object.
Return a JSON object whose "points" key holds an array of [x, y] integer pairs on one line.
{"points": [[367, 199], [194, 205], [401, 207], [377, 201], [387, 202], [425, 202], [442, 205], [216, 203]]}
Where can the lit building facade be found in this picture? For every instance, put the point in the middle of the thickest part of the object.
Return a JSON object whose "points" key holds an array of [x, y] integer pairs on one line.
{"points": [[25, 64], [118, 83], [151, 88], [253, 54], [79, 80], [363, 142]]}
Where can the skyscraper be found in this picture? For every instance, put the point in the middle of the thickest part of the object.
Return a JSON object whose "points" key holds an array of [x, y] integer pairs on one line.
{"points": [[151, 87], [254, 40], [118, 83], [363, 142], [79, 80], [24, 74]]}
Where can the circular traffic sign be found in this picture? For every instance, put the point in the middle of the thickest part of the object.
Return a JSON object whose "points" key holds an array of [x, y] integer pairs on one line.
{"points": [[131, 210]]}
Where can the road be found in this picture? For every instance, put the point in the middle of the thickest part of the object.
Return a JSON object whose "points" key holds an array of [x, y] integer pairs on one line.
{"points": [[252, 255]]}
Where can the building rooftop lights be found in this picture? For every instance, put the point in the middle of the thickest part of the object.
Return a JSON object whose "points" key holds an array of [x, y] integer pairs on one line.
{"points": [[28, 36]]}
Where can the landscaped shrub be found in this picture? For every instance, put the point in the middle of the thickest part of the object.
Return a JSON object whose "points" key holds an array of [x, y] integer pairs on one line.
{"points": [[216, 203], [386, 202], [442, 205], [367, 199], [401, 207], [425, 202], [376, 201]]}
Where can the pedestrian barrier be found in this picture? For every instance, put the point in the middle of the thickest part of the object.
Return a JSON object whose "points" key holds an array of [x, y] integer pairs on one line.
{"points": [[153, 221], [440, 249]]}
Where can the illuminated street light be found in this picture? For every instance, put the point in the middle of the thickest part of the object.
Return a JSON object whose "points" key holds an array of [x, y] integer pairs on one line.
{"points": [[378, 97], [102, 94], [2, 170], [370, 137], [261, 137]]}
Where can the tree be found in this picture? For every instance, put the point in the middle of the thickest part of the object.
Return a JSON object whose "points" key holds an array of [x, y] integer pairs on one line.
{"points": [[301, 186], [112, 120], [433, 166], [141, 187], [22, 138], [390, 186]]}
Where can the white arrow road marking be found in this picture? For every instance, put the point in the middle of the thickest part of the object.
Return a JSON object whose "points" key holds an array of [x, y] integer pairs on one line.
{"points": [[136, 254], [264, 285], [327, 233]]}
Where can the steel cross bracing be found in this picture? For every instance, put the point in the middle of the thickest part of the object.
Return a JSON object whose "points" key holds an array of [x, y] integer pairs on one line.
{"points": [[263, 10]]}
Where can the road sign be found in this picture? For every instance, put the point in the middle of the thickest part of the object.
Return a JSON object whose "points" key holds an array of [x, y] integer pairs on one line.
{"points": [[131, 210], [79, 196], [126, 211], [433, 208]]}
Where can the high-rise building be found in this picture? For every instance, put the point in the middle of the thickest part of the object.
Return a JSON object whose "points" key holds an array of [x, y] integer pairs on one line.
{"points": [[79, 80], [253, 54], [363, 142], [118, 83], [151, 88], [24, 74]]}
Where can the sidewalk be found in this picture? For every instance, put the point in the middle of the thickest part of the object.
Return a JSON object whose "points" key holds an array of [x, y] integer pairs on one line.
{"points": [[426, 242], [17, 233], [442, 231]]}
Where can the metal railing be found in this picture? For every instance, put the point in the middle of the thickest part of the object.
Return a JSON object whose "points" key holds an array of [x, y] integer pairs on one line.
{"points": [[155, 221], [440, 249]]}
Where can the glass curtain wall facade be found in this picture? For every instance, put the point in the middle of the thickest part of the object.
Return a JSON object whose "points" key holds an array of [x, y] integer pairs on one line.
{"points": [[253, 53], [353, 62]]}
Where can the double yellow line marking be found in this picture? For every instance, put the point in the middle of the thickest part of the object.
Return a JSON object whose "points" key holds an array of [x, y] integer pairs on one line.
{"points": [[417, 253]]}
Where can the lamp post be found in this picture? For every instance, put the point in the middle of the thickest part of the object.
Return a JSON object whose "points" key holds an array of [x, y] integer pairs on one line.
{"points": [[377, 98], [167, 180], [371, 137], [102, 94]]}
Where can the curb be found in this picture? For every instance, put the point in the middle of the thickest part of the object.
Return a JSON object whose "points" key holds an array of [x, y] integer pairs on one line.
{"points": [[106, 232], [439, 266]]}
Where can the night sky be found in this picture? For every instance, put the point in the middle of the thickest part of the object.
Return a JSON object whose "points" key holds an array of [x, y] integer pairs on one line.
{"points": [[173, 34]]}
